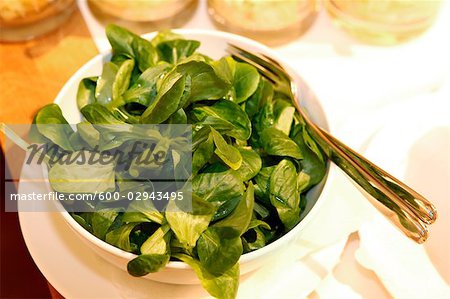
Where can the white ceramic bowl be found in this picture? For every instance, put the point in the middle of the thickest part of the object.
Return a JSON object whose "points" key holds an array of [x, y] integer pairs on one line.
{"points": [[213, 43]]}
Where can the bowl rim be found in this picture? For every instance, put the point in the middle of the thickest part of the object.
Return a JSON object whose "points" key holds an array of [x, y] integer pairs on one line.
{"points": [[246, 257]]}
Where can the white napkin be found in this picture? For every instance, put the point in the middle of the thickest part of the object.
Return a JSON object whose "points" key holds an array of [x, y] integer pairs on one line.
{"points": [[286, 277], [330, 288], [403, 266], [418, 137]]}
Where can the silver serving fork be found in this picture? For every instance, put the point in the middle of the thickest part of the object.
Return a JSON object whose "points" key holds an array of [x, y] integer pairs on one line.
{"points": [[404, 207]]}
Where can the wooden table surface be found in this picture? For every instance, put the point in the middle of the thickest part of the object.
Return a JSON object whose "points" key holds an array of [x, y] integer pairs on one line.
{"points": [[31, 75], [33, 72]]}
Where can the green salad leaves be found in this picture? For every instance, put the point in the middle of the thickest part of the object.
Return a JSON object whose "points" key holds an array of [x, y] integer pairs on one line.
{"points": [[252, 158]]}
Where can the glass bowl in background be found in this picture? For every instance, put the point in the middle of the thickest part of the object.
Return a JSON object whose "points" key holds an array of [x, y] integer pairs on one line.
{"points": [[272, 22], [142, 10], [143, 16], [22, 20], [383, 22]]}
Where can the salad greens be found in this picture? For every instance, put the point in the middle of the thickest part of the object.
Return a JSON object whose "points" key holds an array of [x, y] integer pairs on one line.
{"points": [[252, 158]]}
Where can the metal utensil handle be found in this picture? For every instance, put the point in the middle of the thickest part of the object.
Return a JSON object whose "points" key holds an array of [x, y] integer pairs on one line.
{"points": [[382, 196], [424, 209]]}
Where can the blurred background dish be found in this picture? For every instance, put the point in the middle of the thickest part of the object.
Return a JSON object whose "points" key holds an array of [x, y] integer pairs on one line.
{"points": [[143, 16], [142, 10], [25, 19], [383, 22], [272, 22]]}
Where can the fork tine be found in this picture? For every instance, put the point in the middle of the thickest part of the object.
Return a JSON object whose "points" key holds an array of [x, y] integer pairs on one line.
{"points": [[268, 63], [258, 58], [281, 72], [262, 70], [254, 57], [273, 61]]}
